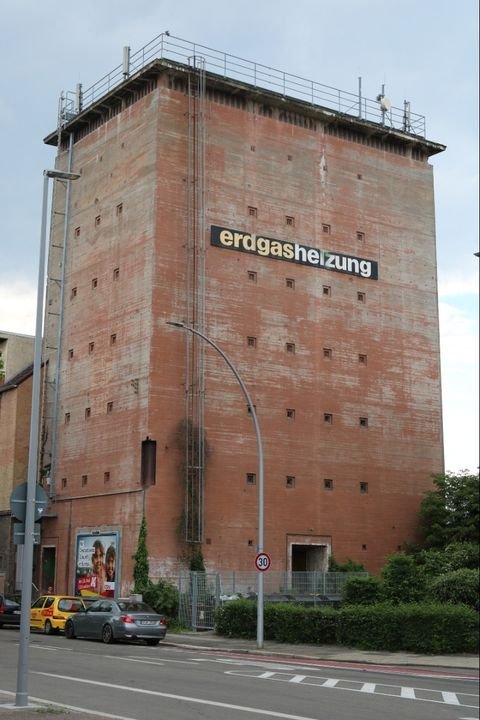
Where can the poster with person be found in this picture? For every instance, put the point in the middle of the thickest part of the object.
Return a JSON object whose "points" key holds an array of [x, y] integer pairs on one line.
{"points": [[96, 564]]}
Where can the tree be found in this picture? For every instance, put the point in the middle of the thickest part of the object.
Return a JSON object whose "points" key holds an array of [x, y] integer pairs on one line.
{"points": [[450, 514], [141, 568]]}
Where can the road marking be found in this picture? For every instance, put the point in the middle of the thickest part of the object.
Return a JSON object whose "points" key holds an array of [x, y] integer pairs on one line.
{"points": [[297, 679], [450, 698], [171, 696], [392, 691]]}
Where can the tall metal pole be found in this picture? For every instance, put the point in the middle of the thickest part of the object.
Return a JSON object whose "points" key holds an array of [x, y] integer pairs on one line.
{"points": [[21, 699], [253, 413]]}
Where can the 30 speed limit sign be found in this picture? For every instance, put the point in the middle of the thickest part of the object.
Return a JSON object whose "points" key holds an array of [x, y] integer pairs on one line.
{"points": [[262, 561]]}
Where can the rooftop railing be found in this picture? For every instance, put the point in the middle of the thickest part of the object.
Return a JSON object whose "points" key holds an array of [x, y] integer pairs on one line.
{"points": [[168, 47]]}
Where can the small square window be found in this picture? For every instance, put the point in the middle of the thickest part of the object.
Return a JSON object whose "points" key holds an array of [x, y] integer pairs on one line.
{"points": [[252, 275], [119, 208], [290, 283], [290, 481], [91, 347], [113, 338], [360, 235], [290, 220], [251, 479], [328, 418], [364, 487], [208, 541], [73, 293], [361, 297], [252, 148], [291, 413], [64, 482], [110, 407], [250, 543], [252, 211], [76, 232], [116, 273], [106, 477], [97, 221], [327, 229], [70, 354], [249, 409], [289, 157], [326, 290], [251, 341], [327, 353], [88, 412], [328, 483], [84, 480], [362, 359], [94, 283], [364, 547], [359, 176], [363, 421], [290, 347], [67, 418]]}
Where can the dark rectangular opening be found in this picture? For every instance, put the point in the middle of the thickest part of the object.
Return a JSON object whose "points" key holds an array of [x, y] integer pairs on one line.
{"points": [[149, 462]]}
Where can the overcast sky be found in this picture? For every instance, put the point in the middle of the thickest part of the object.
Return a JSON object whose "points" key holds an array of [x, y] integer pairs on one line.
{"points": [[424, 51]]}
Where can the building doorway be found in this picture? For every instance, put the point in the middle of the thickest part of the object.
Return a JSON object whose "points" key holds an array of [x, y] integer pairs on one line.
{"points": [[48, 568], [308, 558]]}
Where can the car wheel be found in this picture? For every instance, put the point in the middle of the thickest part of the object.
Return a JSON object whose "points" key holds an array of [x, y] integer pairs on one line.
{"points": [[48, 629], [69, 630], [152, 643], [107, 634]]}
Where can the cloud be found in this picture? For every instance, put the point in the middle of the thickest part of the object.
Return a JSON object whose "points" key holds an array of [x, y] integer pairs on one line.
{"points": [[18, 302]]}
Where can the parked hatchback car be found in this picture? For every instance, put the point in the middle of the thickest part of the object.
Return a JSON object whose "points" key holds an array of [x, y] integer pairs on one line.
{"points": [[122, 619], [50, 612], [9, 611]]}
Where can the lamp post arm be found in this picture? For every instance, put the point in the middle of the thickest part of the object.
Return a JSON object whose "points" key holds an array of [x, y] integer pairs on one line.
{"points": [[260, 467]]}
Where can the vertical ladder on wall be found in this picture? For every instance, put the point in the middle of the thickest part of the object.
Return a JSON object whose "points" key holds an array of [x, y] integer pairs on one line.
{"points": [[195, 346]]}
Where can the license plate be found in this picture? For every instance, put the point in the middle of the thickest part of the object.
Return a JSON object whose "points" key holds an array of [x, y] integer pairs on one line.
{"points": [[16, 612], [147, 622]]}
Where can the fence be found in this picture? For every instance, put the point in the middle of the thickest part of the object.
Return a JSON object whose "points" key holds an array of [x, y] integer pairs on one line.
{"points": [[200, 593], [169, 47]]}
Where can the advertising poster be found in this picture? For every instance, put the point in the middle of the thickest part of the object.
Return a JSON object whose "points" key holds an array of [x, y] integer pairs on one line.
{"points": [[96, 564]]}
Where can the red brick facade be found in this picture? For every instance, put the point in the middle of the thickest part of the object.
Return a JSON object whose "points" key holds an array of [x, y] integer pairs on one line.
{"points": [[343, 369]]}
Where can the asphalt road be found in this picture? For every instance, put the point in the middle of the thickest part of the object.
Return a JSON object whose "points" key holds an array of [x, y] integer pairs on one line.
{"points": [[135, 682]]}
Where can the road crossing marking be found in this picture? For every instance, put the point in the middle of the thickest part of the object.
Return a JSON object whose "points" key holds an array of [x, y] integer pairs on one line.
{"points": [[395, 691]]}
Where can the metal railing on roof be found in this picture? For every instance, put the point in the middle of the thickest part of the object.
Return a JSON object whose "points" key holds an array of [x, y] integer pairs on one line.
{"points": [[169, 47]]}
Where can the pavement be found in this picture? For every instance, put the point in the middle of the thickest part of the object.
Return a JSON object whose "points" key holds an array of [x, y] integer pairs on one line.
{"points": [[465, 664]]}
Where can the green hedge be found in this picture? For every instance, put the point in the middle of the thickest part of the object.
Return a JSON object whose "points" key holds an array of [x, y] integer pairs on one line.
{"points": [[422, 628]]}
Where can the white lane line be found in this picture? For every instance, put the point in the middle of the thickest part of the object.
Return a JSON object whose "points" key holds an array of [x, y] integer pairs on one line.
{"points": [[450, 698], [368, 688], [408, 693], [297, 678], [171, 696]]}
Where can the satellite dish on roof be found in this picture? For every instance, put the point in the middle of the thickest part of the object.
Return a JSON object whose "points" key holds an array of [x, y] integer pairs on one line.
{"points": [[385, 104]]}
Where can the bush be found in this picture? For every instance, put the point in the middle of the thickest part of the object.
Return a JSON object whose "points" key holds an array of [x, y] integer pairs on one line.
{"points": [[347, 566], [402, 579], [459, 586], [162, 597], [362, 591], [455, 557]]}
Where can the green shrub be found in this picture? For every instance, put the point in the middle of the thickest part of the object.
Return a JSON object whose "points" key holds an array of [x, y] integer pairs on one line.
{"points": [[162, 597], [458, 586], [237, 618], [402, 580], [347, 566], [362, 591]]}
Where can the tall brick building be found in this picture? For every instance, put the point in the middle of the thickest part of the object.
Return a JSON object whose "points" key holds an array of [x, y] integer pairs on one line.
{"points": [[296, 233]]}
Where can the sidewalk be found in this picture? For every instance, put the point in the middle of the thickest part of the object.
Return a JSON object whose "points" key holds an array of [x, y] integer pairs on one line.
{"points": [[332, 653], [207, 640]]}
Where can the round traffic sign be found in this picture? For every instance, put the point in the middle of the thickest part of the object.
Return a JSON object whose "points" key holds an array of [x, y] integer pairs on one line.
{"points": [[262, 561]]}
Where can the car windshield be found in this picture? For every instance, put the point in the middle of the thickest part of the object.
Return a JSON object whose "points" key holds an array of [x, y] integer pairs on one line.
{"points": [[133, 606]]}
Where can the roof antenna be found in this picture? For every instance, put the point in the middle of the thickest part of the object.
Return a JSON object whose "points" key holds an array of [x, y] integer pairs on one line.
{"points": [[126, 62]]}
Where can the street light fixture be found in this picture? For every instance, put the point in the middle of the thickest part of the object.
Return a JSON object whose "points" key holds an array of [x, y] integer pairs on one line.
{"points": [[253, 413], [21, 699]]}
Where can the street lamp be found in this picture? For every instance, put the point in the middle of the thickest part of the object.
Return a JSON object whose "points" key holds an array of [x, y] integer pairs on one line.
{"points": [[251, 408], [21, 699]]}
